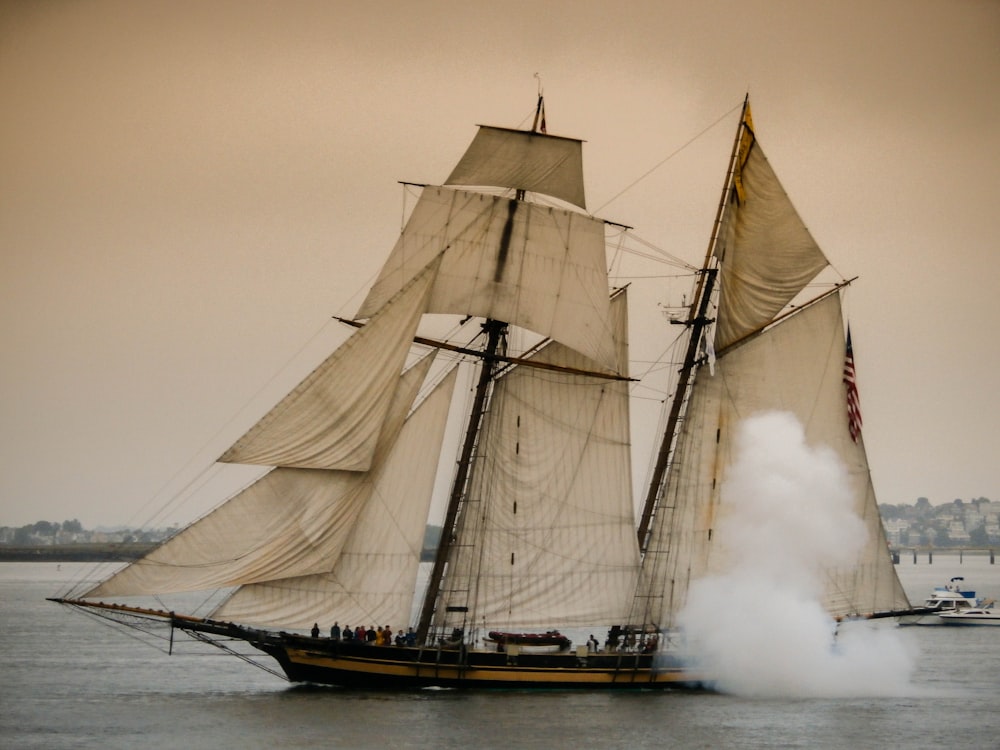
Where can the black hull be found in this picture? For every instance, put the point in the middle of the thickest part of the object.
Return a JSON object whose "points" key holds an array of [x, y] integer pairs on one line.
{"points": [[350, 665]]}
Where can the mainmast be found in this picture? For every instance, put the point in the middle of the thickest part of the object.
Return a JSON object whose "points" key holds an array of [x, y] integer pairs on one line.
{"points": [[696, 322]]}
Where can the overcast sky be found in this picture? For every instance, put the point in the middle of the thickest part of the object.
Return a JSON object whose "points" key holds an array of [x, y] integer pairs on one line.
{"points": [[188, 190]]}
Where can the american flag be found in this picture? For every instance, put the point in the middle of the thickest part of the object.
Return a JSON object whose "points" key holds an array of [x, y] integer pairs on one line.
{"points": [[853, 403]]}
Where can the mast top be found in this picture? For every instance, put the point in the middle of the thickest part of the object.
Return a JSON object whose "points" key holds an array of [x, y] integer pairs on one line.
{"points": [[538, 126]]}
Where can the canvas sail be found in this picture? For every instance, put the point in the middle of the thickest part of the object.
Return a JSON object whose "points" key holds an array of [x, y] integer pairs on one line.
{"points": [[373, 579], [766, 253], [547, 534], [796, 366], [290, 522], [533, 266], [333, 418], [523, 160]]}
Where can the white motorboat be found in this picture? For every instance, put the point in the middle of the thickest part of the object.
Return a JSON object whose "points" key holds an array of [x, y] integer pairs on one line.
{"points": [[982, 614], [943, 600]]}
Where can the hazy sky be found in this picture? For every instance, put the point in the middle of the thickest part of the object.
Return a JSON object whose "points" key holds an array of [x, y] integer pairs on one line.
{"points": [[188, 190]]}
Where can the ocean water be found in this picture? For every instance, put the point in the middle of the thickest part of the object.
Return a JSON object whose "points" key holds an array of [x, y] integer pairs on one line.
{"points": [[69, 681]]}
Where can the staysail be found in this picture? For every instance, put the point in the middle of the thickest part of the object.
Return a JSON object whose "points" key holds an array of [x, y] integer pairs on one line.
{"points": [[290, 522], [547, 535], [333, 418], [374, 577]]}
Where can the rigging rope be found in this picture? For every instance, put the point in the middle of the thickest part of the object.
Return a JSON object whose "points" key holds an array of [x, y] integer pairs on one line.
{"points": [[663, 161]]}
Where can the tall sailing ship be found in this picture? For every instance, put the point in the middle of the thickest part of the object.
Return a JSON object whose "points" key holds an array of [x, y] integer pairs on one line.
{"points": [[541, 537]]}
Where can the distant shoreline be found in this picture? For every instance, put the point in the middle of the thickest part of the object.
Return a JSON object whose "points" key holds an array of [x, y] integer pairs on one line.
{"points": [[94, 552], [84, 552], [128, 551]]}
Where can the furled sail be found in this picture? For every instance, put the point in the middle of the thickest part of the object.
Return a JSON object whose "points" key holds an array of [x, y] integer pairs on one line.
{"points": [[533, 266], [766, 253], [795, 366], [523, 160], [290, 522], [333, 418], [547, 535], [373, 579]]}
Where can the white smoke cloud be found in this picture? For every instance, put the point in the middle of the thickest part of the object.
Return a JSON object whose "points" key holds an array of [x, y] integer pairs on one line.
{"points": [[757, 626]]}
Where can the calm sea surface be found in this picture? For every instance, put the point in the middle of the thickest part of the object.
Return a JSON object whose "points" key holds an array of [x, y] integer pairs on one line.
{"points": [[69, 681]]}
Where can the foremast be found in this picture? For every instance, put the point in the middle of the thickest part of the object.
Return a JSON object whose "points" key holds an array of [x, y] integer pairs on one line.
{"points": [[507, 517], [495, 331]]}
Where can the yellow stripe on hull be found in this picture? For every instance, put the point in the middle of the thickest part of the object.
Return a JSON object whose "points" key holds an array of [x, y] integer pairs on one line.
{"points": [[485, 676]]}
